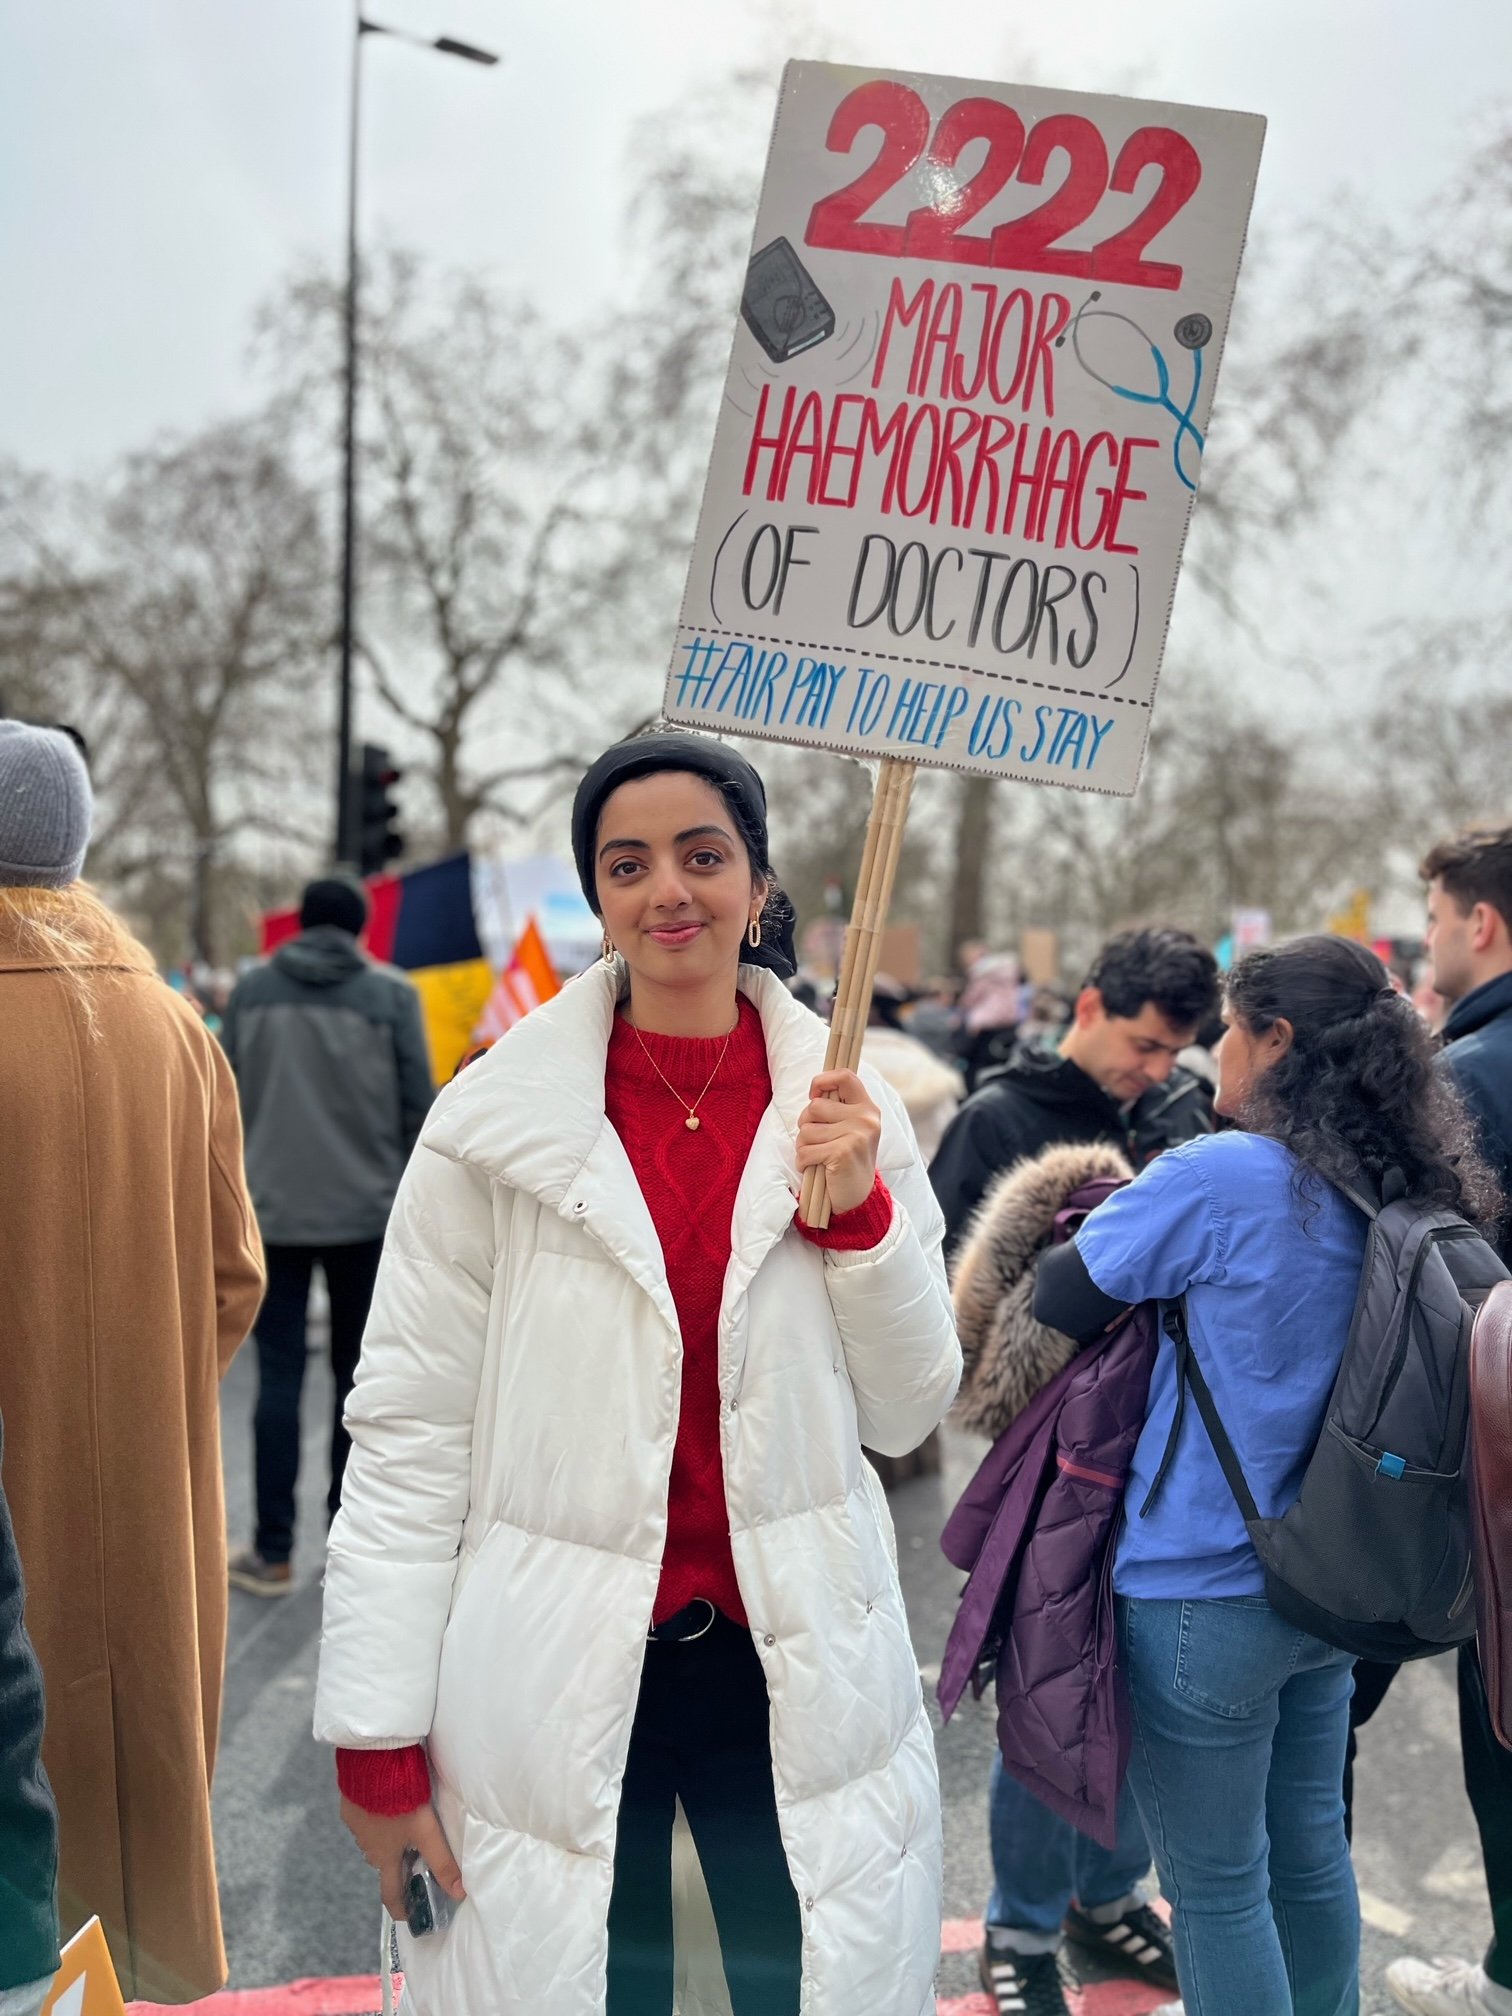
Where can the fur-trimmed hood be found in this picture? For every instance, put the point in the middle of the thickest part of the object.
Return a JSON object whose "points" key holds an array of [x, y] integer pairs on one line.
{"points": [[1007, 1354]]}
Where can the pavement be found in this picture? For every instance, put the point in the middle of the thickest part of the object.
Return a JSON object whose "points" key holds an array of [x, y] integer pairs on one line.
{"points": [[301, 1907]]}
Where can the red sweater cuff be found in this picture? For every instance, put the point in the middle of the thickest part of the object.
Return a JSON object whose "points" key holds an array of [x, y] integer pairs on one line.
{"points": [[856, 1231], [387, 1782]]}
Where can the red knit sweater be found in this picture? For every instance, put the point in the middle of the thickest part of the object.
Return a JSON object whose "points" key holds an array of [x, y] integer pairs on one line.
{"points": [[689, 1179]]}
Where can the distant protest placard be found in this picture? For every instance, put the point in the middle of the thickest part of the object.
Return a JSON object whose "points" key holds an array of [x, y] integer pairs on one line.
{"points": [[964, 423]]}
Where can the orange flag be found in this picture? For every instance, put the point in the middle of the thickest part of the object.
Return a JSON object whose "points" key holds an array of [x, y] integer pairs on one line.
{"points": [[526, 982], [85, 1984]]}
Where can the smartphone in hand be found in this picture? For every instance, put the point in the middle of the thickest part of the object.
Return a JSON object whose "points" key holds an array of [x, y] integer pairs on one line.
{"points": [[427, 1907]]}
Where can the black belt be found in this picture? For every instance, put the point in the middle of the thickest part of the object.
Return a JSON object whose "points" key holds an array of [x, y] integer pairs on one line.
{"points": [[684, 1625]]}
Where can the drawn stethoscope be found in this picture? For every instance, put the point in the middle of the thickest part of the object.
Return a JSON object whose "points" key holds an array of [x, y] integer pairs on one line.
{"points": [[1192, 332]]}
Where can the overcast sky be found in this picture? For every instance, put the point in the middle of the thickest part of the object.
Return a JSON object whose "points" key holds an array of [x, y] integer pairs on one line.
{"points": [[165, 161]]}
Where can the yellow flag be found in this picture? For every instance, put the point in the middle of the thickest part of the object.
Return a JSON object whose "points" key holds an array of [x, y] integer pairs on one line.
{"points": [[86, 1983], [1353, 921], [451, 1000]]}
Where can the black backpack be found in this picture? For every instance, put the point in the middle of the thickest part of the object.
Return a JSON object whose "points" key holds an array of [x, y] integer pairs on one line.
{"points": [[1375, 1554]]}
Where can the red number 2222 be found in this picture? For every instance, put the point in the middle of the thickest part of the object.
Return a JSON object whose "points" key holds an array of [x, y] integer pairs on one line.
{"points": [[1029, 243]]}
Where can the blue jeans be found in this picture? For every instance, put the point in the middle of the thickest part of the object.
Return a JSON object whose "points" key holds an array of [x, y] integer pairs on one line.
{"points": [[1040, 1863], [1240, 1722]]}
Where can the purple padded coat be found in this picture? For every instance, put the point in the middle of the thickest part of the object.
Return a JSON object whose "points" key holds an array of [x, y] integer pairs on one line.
{"points": [[1036, 1531]]}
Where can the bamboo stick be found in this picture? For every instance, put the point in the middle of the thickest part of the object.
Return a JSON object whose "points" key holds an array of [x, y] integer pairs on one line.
{"points": [[811, 1200], [863, 947], [851, 960], [845, 979]]}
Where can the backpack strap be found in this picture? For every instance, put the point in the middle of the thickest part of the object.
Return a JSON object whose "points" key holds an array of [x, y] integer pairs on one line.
{"points": [[1175, 1328], [1189, 1374], [1371, 1198]]}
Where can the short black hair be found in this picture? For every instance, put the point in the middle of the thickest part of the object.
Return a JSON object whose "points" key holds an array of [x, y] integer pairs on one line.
{"points": [[1475, 867], [1171, 968], [334, 899]]}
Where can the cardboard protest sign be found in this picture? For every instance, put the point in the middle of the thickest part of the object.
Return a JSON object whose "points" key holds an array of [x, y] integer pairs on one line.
{"points": [[963, 423]]}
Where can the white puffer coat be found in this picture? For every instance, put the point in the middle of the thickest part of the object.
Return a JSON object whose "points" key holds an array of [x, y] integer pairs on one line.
{"points": [[494, 1565]]}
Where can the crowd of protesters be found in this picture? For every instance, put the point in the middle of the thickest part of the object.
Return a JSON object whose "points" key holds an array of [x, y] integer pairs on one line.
{"points": [[604, 1538]]}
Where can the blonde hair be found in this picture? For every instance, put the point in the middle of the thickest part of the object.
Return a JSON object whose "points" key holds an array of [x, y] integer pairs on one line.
{"points": [[72, 932]]}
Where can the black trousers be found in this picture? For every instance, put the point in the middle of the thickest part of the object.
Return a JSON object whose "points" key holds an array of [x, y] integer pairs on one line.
{"points": [[702, 1735], [282, 1349], [1488, 1783]]}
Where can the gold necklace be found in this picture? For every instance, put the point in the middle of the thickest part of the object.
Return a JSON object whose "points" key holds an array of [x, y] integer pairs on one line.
{"points": [[692, 1123]]}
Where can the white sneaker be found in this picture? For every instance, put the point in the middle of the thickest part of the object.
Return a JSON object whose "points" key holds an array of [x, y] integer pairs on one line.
{"points": [[1447, 1988]]}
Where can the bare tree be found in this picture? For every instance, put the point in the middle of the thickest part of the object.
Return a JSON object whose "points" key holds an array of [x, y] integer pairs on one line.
{"points": [[1440, 733], [178, 615], [490, 561], [1231, 813]]}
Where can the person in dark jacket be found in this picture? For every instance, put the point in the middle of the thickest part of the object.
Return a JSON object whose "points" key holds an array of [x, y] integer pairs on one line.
{"points": [[28, 1817], [330, 1058], [1470, 943], [1036, 1527], [1240, 1718], [1143, 1002]]}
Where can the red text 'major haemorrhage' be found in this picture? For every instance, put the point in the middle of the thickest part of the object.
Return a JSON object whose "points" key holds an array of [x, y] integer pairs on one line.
{"points": [[974, 471]]}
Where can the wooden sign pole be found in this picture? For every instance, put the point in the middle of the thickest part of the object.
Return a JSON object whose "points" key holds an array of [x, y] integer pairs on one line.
{"points": [[863, 947]]}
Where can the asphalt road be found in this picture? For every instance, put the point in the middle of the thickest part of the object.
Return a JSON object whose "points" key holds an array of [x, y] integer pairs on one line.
{"points": [[299, 1901]]}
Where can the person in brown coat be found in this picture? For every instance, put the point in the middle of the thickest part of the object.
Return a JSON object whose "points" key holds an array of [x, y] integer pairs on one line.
{"points": [[132, 1273]]}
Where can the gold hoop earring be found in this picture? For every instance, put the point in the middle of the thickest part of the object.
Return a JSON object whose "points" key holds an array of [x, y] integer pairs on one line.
{"points": [[753, 936], [609, 954]]}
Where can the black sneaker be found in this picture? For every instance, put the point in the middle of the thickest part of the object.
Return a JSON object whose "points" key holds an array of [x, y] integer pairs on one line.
{"points": [[1023, 1984], [1137, 1945]]}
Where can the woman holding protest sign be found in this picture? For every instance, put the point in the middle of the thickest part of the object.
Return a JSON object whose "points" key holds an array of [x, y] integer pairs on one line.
{"points": [[608, 1539]]}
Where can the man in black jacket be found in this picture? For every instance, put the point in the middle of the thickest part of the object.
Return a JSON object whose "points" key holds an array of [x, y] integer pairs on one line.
{"points": [[331, 1063], [1470, 943], [28, 1818], [1141, 1005], [1144, 1000]]}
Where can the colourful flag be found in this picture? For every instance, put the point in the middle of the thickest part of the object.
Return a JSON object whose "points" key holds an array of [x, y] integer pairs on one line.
{"points": [[423, 923], [526, 982], [85, 1983]]}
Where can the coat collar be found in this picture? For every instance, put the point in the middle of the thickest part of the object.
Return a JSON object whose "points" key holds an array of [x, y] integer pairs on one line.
{"points": [[114, 950], [531, 1114], [1483, 1004]]}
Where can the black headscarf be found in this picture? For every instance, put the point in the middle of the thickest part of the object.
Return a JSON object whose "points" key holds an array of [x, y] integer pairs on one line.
{"points": [[742, 791]]}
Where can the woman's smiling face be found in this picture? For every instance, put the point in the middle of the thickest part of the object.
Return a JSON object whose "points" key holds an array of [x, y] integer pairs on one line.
{"points": [[675, 884]]}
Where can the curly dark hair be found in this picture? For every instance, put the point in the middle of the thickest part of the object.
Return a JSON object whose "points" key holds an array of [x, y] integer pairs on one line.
{"points": [[1166, 966], [1357, 1093]]}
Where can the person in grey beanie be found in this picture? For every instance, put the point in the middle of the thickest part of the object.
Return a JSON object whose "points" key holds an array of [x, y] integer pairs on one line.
{"points": [[132, 1272], [46, 806], [331, 1061]]}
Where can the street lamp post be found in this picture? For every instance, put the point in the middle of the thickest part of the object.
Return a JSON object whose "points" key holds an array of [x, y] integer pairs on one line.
{"points": [[346, 796]]}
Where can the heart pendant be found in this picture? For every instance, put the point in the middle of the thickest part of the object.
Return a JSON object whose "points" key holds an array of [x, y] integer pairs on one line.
{"points": [[691, 1123]]}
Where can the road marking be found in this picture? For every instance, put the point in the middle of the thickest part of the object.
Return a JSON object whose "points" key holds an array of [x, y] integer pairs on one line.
{"points": [[358, 1996], [1385, 1917], [1459, 1872]]}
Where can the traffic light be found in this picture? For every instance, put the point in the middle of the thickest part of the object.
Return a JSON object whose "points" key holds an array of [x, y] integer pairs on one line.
{"points": [[379, 837]]}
